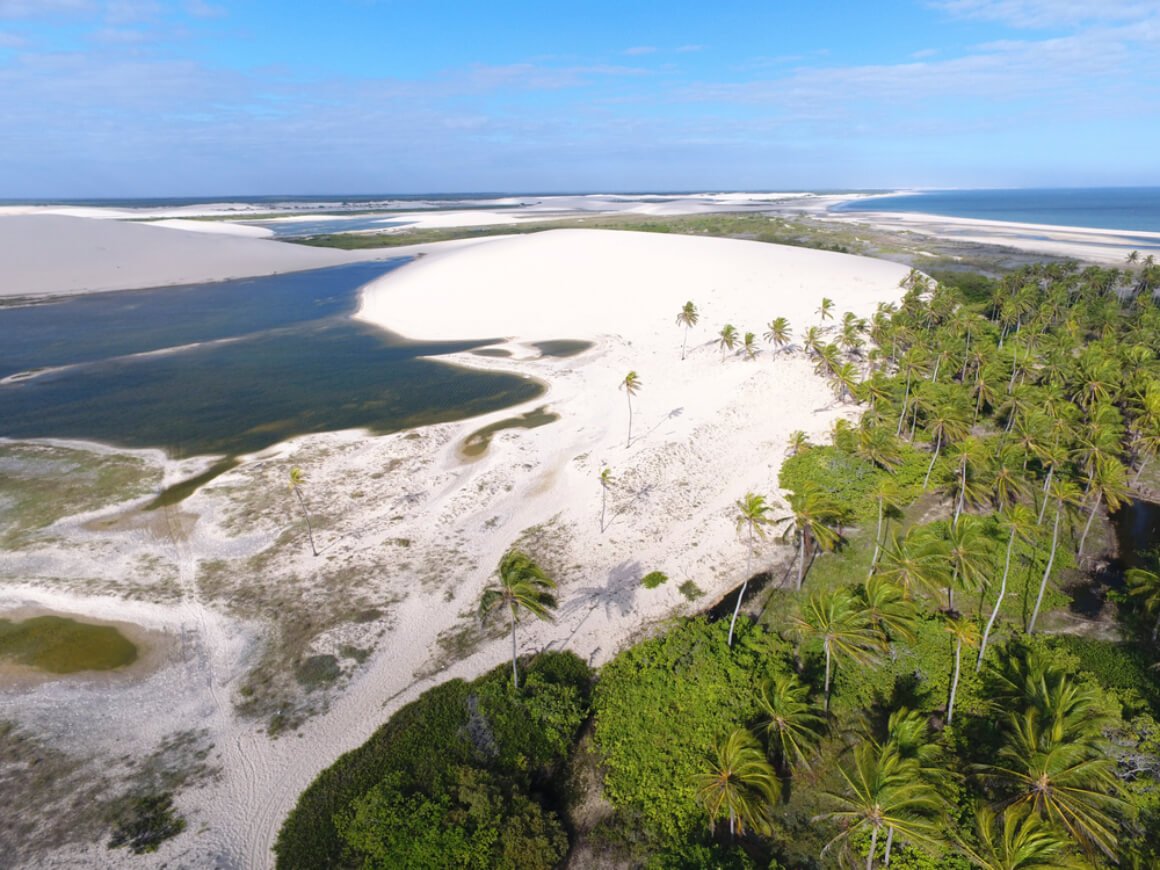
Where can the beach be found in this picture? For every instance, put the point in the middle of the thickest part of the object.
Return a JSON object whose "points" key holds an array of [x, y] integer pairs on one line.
{"points": [[419, 527]]}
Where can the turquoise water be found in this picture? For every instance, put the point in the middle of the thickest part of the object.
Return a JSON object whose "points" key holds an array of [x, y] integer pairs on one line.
{"points": [[229, 368], [1113, 208]]}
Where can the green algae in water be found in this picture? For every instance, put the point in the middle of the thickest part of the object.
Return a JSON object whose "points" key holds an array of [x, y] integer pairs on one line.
{"points": [[60, 645], [562, 347], [477, 442]]}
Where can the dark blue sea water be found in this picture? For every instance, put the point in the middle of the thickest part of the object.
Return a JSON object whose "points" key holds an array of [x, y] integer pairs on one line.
{"points": [[228, 368], [1113, 208]]}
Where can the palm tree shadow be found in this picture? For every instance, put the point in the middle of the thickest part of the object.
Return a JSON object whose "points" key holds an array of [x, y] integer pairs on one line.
{"points": [[643, 493], [617, 596], [672, 415]]}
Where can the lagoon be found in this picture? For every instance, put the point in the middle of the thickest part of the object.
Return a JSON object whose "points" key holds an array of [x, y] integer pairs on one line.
{"points": [[229, 368]]}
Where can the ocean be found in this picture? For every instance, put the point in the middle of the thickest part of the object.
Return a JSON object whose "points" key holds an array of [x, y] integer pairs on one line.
{"points": [[1112, 208]]}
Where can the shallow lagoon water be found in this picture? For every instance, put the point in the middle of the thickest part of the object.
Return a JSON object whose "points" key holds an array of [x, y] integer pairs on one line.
{"points": [[229, 368]]}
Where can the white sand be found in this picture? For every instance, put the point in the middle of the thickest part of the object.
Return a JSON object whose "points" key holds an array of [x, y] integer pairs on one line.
{"points": [[706, 430], [47, 254]]}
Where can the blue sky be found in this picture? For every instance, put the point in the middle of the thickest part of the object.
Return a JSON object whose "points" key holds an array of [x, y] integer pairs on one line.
{"points": [[205, 97]]}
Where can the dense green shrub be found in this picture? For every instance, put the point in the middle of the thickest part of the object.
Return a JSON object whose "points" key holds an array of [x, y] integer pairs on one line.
{"points": [[423, 760], [661, 704], [846, 478]]}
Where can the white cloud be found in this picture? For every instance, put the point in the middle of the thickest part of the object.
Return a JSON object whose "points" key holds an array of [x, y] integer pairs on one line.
{"points": [[11, 40], [638, 50], [35, 8], [1050, 13]]}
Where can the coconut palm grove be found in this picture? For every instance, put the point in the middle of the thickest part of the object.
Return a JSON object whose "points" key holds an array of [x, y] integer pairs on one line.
{"points": [[937, 658]]}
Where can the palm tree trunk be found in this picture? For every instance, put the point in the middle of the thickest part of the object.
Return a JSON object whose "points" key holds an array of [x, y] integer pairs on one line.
{"points": [[873, 848], [1087, 526], [954, 681], [741, 594], [962, 496], [905, 402], [933, 460], [889, 844], [877, 540], [1046, 485], [684, 341], [515, 670], [1047, 570], [1156, 629], [951, 588], [801, 560], [603, 497], [628, 396], [306, 513], [998, 603], [1140, 470], [827, 646], [937, 363]]}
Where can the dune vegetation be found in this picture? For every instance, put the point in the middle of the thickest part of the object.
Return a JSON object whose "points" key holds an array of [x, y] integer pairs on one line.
{"points": [[919, 690]]}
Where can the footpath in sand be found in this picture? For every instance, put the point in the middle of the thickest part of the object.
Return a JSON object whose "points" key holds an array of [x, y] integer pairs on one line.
{"points": [[705, 431]]}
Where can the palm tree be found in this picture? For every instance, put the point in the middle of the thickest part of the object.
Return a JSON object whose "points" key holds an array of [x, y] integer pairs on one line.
{"points": [[1065, 495], [889, 609], [1145, 585], [877, 444], [798, 442], [726, 338], [968, 556], [605, 485], [838, 619], [792, 727], [1069, 782], [1020, 524], [740, 784], [687, 318], [749, 346], [1019, 839], [946, 423], [915, 561], [1109, 483], [966, 633], [778, 332], [810, 519], [884, 792], [844, 380], [812, 341], [522, 585], [826, 309], [753, 516], [297, 479], [631, 386]]}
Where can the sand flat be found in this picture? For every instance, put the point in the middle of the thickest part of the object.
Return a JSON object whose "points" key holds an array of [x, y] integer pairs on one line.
{"points": [[47, 254]]}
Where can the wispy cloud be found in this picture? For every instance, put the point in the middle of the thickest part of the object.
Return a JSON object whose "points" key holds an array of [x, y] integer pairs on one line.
{"points": [[1050, 13], [638, 50]]}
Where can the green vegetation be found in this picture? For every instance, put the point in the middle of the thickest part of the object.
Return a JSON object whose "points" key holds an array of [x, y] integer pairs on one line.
{"points": [[854, 723], [783, 231], [460, 777], [60, 645], [146, 823], [653, 579], [42, 484]]}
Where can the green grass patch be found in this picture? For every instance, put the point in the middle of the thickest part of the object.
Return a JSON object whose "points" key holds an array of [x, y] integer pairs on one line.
{"points": [[60, 645], [653, 579]]}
